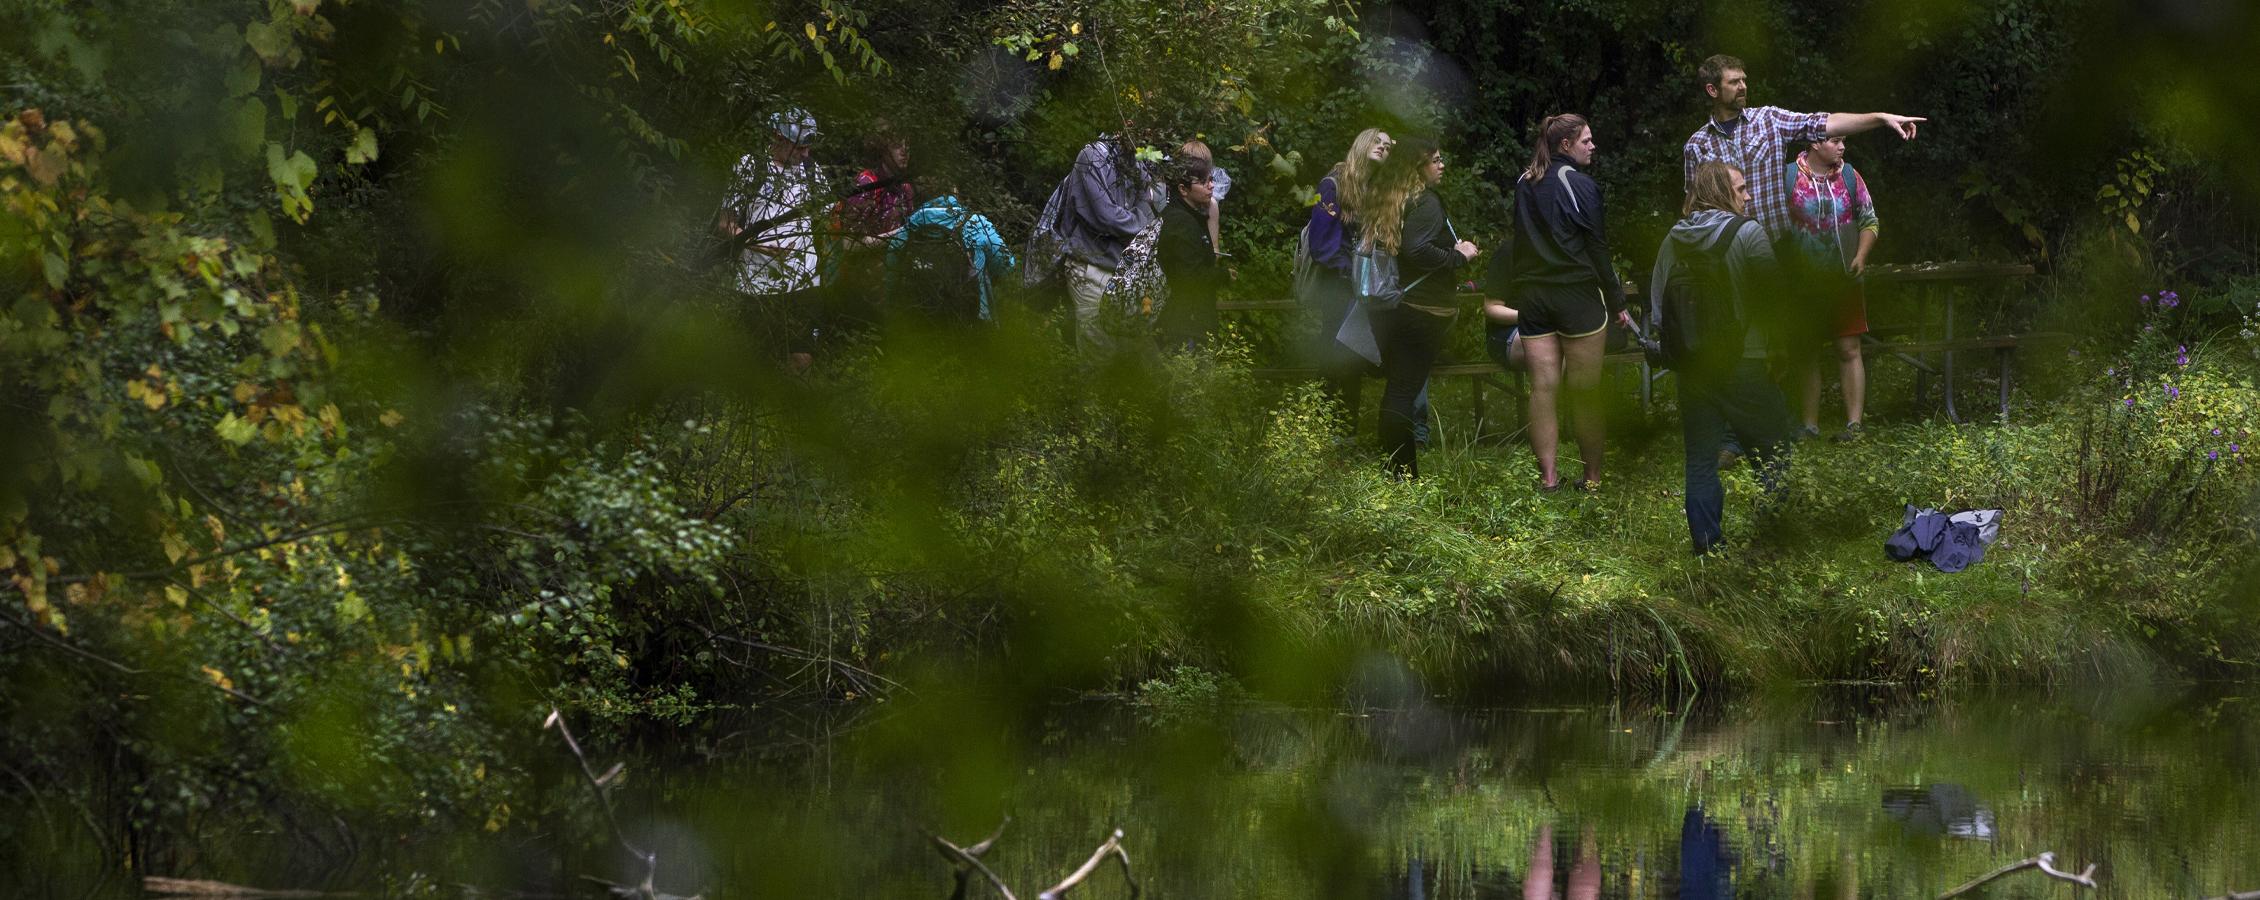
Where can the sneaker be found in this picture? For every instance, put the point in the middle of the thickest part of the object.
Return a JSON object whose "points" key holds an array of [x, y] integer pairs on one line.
{"points": [[1808, 432], [1852, 432]]}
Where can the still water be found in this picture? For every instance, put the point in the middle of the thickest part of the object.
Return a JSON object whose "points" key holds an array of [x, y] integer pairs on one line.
{"points": [[1821, 793]]}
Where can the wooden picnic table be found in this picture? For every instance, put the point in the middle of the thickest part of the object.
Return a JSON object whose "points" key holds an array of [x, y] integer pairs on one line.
{"points": [[1948, 277], [1940, 280]]}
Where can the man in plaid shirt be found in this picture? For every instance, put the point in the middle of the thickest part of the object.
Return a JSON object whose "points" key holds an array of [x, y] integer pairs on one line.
{"points": [[1757, 140]]}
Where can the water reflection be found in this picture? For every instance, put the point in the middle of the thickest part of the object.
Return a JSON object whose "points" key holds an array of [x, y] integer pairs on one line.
{"points": [[1805, 797]]}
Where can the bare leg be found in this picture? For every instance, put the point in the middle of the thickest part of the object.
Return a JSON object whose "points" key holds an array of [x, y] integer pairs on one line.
{"points": [[1538, 879], [1581, 364], [1544, 353], [1812, 366], [1585, 874], [1855, 373]]}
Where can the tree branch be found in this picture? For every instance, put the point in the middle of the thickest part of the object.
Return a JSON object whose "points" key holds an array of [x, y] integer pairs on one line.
{"points": [[968, 860], [596, 786], [1113, 848], [2045, 862]]}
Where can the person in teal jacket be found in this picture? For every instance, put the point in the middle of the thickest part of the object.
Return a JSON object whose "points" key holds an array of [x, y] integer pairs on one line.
{"points": [[944, 217]]}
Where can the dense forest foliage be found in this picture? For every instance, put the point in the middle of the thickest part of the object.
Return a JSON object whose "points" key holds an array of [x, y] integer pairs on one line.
{"points": [[371, 391]]}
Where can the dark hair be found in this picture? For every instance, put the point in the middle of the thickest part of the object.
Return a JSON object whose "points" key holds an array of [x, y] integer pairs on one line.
{"points": [[879, 148], [1193, 170], [1715, 68], [1553, 131]]}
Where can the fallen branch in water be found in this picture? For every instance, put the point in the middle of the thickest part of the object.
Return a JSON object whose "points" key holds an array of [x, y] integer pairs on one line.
{"points": [[1112, 847], [219, 890], [967, 860], [597, 783], [2045, 862]]}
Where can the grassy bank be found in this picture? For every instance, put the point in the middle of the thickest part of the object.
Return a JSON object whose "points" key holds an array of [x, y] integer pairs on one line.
{"points": [[1120, 522]]}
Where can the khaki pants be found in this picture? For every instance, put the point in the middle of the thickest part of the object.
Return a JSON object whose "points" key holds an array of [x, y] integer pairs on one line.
{"points": [[1087, 283]]}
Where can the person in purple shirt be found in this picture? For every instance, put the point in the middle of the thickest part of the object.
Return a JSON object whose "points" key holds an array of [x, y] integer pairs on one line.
{"points": [[1332, 234], [1757, 140]]}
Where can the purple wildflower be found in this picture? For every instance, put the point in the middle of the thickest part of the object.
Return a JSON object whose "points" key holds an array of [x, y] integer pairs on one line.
{"points": [[2235, 449], [2216, 432], [2173, 393], [2212, 454], [2169, 300], [2145, 300], [2130, 402]]}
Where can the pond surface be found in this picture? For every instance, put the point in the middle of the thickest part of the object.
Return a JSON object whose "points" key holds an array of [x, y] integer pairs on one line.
{"points": [[1822, 793]]}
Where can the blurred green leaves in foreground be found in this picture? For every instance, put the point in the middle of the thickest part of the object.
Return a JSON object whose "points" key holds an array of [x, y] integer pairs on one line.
{"points": [[369, 391]]}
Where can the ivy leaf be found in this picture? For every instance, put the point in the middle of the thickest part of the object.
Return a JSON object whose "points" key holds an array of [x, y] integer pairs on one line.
{"points": [[271, 42], [244, 79], [235, 431], [364, 147]]}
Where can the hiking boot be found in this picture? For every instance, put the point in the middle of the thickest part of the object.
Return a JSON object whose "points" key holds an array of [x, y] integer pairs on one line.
{"points": [[1852, 432]]}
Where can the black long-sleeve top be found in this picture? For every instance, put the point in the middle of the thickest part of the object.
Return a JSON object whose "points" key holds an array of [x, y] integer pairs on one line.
{"points": [[1561, 233], [1188, 261], [1428, 250]]}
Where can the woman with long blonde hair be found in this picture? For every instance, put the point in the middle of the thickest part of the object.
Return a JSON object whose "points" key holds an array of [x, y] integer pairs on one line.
{"points": [[1407, 219], [1331, 236]]}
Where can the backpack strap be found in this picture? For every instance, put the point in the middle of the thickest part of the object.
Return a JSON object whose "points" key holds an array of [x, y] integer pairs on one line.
{"points": [[1732, 230]]}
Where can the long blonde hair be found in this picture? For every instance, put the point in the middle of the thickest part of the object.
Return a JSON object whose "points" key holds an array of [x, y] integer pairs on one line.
{"points": [[1353, 176], [1402, 179], [1712, 188]]}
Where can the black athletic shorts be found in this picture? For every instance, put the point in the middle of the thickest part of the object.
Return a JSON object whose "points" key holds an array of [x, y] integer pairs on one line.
{"points": [[1570, 310]]}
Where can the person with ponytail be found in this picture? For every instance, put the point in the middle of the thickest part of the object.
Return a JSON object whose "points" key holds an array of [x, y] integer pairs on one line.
{"points": [[1566, 291], [1406, 218], [1332, 236]]}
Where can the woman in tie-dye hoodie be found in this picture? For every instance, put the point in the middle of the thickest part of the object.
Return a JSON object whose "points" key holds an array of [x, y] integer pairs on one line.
{"points": [[1833, 227]]}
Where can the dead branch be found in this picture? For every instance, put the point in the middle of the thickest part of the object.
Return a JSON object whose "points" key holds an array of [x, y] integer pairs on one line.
{"points": [[218, 890], [2045, 862], [967, 860], [650, 860], [1113, 848]]}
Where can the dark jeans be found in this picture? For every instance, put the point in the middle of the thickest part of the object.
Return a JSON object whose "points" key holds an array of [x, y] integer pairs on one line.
{"points": [[1741, 403], [1410, 341]]}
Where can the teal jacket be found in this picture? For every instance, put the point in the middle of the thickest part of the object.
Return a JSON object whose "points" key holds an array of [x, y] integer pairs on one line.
{"points": [[982, 243]]}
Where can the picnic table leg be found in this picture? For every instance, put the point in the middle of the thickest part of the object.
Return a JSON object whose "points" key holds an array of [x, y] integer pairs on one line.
{"points": [[1947, 360], [2005, 376], [1647, 388], [1476, 385]]}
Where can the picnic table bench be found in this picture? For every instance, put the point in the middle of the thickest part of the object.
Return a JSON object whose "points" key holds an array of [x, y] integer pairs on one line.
{"points": [[1940, 281]]}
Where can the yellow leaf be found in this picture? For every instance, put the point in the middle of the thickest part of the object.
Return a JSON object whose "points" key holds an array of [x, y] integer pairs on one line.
{"points": [[391, 418], [176, 594], [1074, 28], [245, 391], [1054, 64], [218, 678], [810, 30]]}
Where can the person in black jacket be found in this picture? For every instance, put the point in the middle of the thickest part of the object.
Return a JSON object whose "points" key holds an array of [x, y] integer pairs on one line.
{"points": [[1188, 258], [1566, 292], [1409, 221]]}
